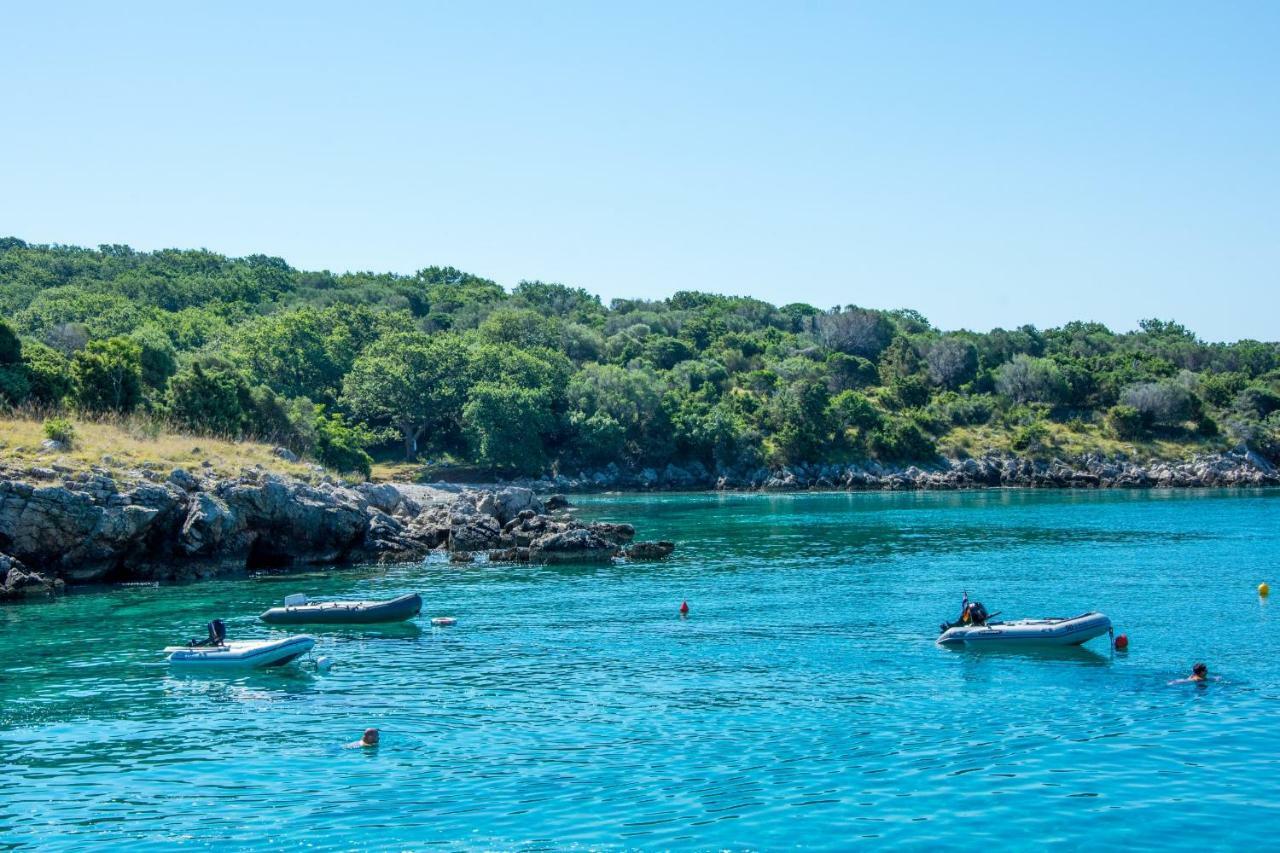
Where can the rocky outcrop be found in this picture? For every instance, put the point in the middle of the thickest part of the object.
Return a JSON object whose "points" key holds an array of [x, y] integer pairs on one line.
{"points": [[16, 582], [650, 550], [578, 545], [618, 534], [92, 528]]}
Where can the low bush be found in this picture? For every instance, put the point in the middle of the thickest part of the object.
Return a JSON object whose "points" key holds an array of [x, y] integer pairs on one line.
{"points": [[1125, 422], [60, 430]]}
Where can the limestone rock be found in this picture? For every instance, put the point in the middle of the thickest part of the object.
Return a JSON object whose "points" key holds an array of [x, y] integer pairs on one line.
{"points": [[479, 533], [572, 546], [618, 534], [650, 550]]}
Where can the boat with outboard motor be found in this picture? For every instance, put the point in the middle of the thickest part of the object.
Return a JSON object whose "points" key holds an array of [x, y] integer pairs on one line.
{"points": [[298, 610], [1052, 631], [217, 653]]}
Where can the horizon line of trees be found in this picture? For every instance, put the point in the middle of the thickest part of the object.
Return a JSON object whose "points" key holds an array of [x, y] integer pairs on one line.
{"points": [[446, 364]]}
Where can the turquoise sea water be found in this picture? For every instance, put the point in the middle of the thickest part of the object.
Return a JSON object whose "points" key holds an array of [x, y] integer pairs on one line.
{"points": [[803, 703]]}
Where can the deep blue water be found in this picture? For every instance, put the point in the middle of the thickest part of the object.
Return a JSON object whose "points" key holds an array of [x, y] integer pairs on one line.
{"points": [[803, 703]]}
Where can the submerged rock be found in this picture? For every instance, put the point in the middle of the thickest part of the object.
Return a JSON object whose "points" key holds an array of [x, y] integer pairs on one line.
{"points": [[659, 550]]}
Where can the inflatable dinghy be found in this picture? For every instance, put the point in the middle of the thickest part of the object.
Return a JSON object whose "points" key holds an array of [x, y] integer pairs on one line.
{"points": [[245, 654], [1028, 632], [298, 610]]}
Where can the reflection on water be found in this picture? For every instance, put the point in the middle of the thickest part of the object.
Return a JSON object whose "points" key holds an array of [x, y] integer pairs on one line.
{"points": [[802, 703]]}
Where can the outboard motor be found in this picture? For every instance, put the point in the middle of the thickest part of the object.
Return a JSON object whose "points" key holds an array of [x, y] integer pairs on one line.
{"points": [[217, 632], [977, 613]]}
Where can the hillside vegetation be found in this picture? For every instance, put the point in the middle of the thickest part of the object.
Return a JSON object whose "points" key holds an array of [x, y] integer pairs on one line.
{"points": [[443, 366]]}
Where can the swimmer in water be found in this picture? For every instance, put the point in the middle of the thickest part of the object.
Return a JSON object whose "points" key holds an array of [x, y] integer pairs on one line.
{"points": [[1199, 675], [367, 741]]}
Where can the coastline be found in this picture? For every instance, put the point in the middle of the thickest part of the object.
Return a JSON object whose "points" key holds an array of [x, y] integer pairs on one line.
{"points": [[96, 527], [93, 528], [1242, 467]]}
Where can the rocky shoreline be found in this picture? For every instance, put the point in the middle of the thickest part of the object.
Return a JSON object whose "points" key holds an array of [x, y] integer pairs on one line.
{"points": [[1237, 468], [90, 528]]}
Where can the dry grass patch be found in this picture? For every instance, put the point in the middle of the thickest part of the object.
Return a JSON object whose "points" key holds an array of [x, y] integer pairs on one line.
{"points": [[132, 444]]}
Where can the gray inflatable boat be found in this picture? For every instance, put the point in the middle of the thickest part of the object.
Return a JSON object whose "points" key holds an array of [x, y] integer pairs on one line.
{"points": [[298, 610]]}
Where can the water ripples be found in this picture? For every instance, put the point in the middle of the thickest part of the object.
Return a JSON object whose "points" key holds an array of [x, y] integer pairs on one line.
{"points": [[803, 703]]}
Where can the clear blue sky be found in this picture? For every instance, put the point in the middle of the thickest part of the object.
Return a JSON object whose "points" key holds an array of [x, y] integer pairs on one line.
{"points": [[985, 163]]}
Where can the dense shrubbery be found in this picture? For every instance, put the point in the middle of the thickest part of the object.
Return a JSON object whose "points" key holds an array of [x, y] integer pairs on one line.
{"points": [[444, 364]]}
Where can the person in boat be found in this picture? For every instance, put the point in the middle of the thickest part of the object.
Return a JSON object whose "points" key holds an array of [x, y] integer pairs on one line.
{"points": [[367, 741]]}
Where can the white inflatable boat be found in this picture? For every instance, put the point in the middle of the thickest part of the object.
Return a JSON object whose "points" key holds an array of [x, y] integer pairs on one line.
{"points": [[246, 654], [1028, 632]]}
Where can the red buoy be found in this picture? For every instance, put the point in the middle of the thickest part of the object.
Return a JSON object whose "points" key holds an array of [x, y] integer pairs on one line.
{"points": [[684, 608], [1122, 642]]}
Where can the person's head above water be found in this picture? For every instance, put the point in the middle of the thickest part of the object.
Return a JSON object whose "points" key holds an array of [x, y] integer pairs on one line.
{"points": [[370, 737], [1199, 670]]}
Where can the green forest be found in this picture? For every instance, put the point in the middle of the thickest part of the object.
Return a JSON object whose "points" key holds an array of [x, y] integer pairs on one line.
{"points": [[446, 367]]}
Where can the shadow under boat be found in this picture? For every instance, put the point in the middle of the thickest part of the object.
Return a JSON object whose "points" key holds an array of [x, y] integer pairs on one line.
{"points": [[1064, 654]]}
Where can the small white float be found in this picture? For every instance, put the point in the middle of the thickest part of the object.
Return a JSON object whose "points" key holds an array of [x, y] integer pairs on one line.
{"points": [[1053, 631], [444, 620]]}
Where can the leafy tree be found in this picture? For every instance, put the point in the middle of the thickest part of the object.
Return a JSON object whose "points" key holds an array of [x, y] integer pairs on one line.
{"points": [[909, 392], [523, 328], [341, 445], [1125, 422], [157, 356], [898, 361], [666, 353], [1161, 403], [506, 426], [855, 331], [1031, 380], [801, 421], [952, 362], [10, 346], [411, 382], [48, 374], [598, 438], [14, 386], [107, 376], [630, 398], [901, 440], [213, 402], [1257, 401], [556, 300], [851, 372], [851, 410]]}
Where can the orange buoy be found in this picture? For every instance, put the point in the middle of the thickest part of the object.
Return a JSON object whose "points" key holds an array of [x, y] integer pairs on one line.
{"points": [[684, 608], [1264, 590], [1122, 642]]}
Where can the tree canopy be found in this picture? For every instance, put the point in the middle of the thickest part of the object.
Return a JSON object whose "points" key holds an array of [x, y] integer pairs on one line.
{"points": [[444, 363]]}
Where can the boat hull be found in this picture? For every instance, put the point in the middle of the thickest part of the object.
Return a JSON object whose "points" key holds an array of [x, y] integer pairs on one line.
{"points": [[242, 655], [346, 612], [1033, 633]]}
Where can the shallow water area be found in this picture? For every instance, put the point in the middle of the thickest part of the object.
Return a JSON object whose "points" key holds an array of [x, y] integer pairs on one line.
{"points": [[803, 702]]}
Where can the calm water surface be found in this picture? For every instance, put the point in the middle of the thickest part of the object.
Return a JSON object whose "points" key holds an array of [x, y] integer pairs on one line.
{"points": [[802, 703]]}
